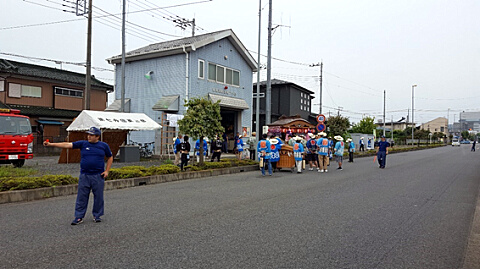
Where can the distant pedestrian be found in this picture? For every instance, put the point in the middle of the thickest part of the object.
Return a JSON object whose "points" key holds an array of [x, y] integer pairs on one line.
{"points": [[225, 143], [369, 144], [474, 143], [197, 148], [184, 149], [239, 145], [382, 152], [216, 148], [264, 149], [298, 152], [177, 140], [362, 144], [351, 150], [274, 152], [312, 156], [252, 142], [323, 153], [92, 172], [235, 138], [339, 149]]}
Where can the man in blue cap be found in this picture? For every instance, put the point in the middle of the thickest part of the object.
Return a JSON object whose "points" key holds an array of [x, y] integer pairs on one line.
{"points": [[382, 152], [92, 172]]}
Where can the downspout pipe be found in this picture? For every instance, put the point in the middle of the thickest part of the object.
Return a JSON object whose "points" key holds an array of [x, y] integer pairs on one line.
{"points": [[187, 59]]}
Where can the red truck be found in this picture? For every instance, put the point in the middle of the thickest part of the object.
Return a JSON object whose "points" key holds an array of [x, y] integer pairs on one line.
{"points": [[16, 138]]}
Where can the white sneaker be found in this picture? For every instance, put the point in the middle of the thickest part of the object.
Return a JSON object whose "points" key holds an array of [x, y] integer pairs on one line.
{"points": [[321, 171], [326, 170], [311, 169]]}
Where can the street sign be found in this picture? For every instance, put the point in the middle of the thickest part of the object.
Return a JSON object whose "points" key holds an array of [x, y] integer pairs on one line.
{"points": [[321, 118], [260, 95], [321, 127]]}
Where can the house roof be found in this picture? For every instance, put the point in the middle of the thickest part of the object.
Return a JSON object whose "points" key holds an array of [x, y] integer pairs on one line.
{"points": [[297, 121], [39, 111], [187, 44], [282, 82], [30, 71]]}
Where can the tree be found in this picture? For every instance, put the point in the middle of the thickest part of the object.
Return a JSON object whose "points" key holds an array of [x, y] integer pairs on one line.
{"points": [[465, 135], [365, 126], [202, 119], [338, 125]]}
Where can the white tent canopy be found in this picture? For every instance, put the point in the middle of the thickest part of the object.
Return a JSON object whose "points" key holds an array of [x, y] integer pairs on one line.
{"points": [[113, 121]]}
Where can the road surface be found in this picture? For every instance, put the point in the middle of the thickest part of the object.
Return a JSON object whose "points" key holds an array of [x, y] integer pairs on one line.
{"points": [[416, 213]]}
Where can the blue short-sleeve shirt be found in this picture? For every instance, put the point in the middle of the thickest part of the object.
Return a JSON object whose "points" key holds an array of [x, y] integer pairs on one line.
{"points": [[92, 156], [382, 145]]}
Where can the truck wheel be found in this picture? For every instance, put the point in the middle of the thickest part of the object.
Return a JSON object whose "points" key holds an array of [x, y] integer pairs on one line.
{"points": [[18, 163]]}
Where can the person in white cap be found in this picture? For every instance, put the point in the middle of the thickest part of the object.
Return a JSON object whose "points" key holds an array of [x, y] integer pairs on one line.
{"points": [[177, 140], [362, 144], [339, 148], [274, 152], [351, 150], [298, 151], [239, 146], [323, 152]]}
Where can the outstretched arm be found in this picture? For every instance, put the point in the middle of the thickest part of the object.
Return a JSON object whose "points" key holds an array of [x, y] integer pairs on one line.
{"points": [[63, 145]]}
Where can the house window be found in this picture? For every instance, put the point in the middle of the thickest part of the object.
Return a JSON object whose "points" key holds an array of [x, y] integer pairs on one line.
{"points": [[212, 71], [201, 69], [236, 78], [31, 91], [68, 92], [229, 76], [442, 129], [2, 85], [222, 74]]}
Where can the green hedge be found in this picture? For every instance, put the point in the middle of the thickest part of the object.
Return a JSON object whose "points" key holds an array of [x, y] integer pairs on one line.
{"points": [[15, 179], [22, 183]]}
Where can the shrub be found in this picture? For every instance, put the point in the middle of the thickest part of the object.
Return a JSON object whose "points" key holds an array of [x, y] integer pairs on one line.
{"points": [[163, 169], [22, 183], [126, 172]]}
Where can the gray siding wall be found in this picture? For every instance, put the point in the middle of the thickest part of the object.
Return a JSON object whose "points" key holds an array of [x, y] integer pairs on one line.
{"points": [[168, 78]]}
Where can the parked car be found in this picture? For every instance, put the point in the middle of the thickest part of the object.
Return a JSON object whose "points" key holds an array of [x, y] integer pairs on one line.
{"points": [[465, 142], [455, 142]]}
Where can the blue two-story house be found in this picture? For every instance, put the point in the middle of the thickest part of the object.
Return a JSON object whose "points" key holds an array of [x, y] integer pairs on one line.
{"points": [[160, 77]]}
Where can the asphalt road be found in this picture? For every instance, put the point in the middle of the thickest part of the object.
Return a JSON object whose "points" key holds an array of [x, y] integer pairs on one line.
{"points": [[416, 213]]}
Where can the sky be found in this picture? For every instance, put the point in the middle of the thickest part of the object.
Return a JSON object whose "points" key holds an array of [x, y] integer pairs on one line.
{"points": [[366, 46]]}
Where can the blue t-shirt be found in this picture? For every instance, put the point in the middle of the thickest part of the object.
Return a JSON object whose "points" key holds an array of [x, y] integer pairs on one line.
{"points": [[339, 148], [177, 141], [92, 156], [382, 146]]}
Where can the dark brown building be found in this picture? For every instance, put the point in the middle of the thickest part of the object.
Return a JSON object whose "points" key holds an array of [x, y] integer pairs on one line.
{"points": [[51, 97]]}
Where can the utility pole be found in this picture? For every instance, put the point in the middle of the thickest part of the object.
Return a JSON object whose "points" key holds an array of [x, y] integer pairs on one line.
{"points": [[88, 78], [122, 98], [413, 119], [384, 101], [392, 129], [257, 112], [268, 97], [184, 23], [321, 80]]}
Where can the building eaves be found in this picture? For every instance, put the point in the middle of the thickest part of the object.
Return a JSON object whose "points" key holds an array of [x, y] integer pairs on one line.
{"points": [[21, 69], [38, 111], [282, 82]]}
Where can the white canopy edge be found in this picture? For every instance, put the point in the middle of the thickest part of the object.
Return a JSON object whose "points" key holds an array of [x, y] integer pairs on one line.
{"points": [[113, 121]]}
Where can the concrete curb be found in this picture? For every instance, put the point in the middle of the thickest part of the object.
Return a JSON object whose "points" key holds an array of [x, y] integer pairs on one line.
{"points": [[42, 193], [472, 253]]}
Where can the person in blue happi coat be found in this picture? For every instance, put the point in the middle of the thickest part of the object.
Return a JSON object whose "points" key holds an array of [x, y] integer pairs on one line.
{"points": [[275, 152], [264, 150], [197, 148]]}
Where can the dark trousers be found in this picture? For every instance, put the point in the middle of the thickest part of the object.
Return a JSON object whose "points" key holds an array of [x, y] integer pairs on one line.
{"points": [[184, 161], [382, 158], [216, 155], [224, 147], [350, 157], [362, 147], [252, 154], [87, 183]]}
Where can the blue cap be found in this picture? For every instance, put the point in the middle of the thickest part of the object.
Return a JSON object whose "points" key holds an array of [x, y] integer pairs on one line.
{"points": [[94, 131], [382, 136]]}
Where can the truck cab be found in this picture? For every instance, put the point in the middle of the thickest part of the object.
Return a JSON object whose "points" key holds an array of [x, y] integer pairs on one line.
{"points": [[16, 138]]}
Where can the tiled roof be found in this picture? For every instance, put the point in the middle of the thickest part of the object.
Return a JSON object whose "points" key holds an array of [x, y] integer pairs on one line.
{"points": [[189, 43], [39, 111], [43, 72]]}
